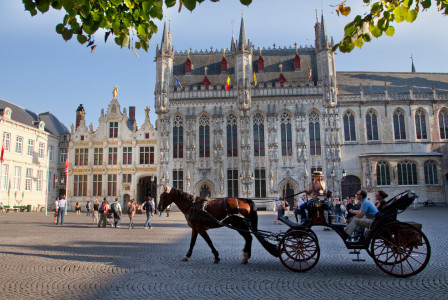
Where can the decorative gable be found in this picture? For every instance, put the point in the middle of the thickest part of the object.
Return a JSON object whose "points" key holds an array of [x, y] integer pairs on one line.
{"points": [[223, 65], [188, 66], [297, 63], [260, 64]]}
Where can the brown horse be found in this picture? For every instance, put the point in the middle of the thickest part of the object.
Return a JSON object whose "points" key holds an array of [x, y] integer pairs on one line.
{"points": [[240, 214]]}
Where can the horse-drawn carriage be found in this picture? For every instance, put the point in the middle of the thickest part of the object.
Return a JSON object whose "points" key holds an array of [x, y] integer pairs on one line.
{"points": [[398, 248]]}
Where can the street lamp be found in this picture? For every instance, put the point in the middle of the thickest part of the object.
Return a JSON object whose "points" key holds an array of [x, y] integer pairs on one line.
{"points": [[247, 181]]}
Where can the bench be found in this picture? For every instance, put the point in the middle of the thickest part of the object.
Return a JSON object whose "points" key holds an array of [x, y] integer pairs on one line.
{"points": [[21, 208], [7, 208]]}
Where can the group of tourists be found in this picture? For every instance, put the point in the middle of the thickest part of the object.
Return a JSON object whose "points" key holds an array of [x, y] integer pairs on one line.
{"points": [[104, 214]]}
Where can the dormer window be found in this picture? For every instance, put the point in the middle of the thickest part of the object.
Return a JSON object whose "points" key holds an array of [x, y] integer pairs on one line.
{"points": [[297, 63], [206, 81], [260, 64], [281, 79], [223, 65], [82, 138], [188, 66], [113, 129]]}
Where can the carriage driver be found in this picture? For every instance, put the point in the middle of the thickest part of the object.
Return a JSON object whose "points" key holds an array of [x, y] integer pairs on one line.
{"points": [[363, 217], [316, 187]]}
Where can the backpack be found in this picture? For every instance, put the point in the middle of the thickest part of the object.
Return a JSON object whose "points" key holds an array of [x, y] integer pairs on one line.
{"points": [[87, 205], [101, 210], [115, 207]]}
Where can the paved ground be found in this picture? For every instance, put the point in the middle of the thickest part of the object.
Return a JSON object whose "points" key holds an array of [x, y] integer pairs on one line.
{"points": [[39, 260]]}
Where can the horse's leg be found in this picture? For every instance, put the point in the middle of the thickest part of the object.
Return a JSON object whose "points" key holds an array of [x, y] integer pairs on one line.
{"points": [[204, 234], [247, 251], [194, 235]]}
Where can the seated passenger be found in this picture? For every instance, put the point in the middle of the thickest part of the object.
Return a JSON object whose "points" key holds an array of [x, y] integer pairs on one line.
{"points": [[363, 217], [380, 197]]}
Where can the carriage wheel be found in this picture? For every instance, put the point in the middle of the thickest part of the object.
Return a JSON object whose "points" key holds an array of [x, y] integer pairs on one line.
{"points": [[400, 249], [299, 251]]}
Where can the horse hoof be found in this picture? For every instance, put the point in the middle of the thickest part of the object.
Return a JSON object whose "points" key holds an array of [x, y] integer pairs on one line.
{"points": [[244, 261], [185, 259], [217, 260]]}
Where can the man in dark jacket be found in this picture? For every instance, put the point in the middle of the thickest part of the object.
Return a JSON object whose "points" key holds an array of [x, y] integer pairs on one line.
{"points": [[149, 212]]}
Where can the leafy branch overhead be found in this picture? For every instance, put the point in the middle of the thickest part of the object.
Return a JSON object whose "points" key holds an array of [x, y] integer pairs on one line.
{"points": [[131, 22], [379, 19]]}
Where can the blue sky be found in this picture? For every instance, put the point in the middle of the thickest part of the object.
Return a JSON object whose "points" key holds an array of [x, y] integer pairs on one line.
{"points": [[40, 71]]}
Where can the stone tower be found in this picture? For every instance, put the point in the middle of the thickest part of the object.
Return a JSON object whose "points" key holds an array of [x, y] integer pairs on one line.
{"points": [[164, 71], [326, 70]]}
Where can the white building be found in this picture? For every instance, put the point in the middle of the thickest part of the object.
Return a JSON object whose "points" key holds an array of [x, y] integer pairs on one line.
{"points": [[30, 171]]}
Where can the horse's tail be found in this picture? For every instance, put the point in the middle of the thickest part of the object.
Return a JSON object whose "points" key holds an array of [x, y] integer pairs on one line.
{"points": [[253, 216]]}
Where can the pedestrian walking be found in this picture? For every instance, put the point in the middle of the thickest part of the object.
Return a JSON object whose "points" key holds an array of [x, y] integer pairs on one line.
{"points": [[149, 208], [96, 207], [55, 218], [131, 213], [88, 208], [62, 205], [78, 209], [103, 213], [116, 210]]}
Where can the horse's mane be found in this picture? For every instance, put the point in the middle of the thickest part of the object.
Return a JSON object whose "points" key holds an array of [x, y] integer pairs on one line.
{"points": [[183, 195]]}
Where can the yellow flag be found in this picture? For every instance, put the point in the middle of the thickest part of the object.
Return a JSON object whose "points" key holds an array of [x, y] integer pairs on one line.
{"points": [[228, 83], [255, 79]]}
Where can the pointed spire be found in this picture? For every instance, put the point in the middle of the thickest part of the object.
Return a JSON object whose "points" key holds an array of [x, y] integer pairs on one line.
{"points": [[165, 34], [232, 43], [412, 64], [323, 33], [242, 41]]}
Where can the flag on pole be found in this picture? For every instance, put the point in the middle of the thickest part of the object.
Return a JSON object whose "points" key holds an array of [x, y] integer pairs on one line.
{"points": [[311, 73], [3, 149], [228, 83], [66, 165], [177, 83], [255, 79]]}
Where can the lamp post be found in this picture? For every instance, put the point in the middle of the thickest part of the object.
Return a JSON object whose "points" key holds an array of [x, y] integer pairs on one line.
{"points": [[247, 180], [339, 181]]}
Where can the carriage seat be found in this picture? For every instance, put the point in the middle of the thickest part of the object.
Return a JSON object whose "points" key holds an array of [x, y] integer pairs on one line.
{"points": [[291, 223]]}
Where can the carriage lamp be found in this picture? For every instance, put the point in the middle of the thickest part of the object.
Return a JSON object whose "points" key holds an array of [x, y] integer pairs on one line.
{"points": [[344, 174], [332, 173]]}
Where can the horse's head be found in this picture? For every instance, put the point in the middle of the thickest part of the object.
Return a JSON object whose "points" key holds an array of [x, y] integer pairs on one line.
{"points": [[166, 198]]}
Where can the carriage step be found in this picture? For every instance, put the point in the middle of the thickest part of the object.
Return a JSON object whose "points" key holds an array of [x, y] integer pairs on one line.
{"points": [[357, 252]]}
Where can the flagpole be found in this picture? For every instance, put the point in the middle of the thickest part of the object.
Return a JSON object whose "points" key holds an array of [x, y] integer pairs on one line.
{"points": [[48, 179]]}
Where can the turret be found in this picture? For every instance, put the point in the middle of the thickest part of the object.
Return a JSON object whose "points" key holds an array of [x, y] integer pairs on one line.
{"points": [[164, 71], [243, 69], [326, 70]]}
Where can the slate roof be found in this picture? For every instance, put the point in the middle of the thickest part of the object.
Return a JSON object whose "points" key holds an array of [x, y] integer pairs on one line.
{"points": [[373, 82], [272, 58], [22, 115]]}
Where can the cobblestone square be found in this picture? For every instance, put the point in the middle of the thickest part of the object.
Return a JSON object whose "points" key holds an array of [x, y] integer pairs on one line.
{"points": [[39, 260]]}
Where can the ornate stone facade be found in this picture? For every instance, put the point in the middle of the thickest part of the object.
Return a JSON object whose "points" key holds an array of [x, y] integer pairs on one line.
{"points": [[286, 113]]}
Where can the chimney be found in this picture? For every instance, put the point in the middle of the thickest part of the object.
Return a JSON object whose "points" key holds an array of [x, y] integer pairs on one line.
{"points": [[132, 113], [78, 115]]}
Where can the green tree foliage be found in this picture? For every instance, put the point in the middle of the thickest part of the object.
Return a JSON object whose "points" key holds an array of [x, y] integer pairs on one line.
{"points": [[379, 19], [131, 21]]}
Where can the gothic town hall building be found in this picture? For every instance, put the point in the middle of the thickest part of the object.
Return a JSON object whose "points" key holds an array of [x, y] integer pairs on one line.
{"points": [[256, 122]]}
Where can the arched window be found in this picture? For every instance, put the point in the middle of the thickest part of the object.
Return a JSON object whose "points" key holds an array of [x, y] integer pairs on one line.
{"points": [[232, 139], [205, 191], [178, 137], [188, 66], [224, 65], [407, 173], [443, 124], [297, 63], [431, 172], [258, 122], [420, 125], [260, 64], [314, 127], [399, 127], [372, 126], [286, 133], [349, 127], [204, 136], [382, 173]]}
